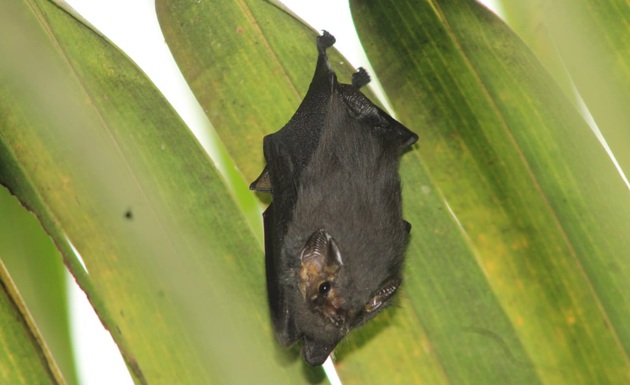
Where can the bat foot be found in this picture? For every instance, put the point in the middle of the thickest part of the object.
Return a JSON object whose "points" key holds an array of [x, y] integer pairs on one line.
{"points": [[360, 78], [326, 40]]}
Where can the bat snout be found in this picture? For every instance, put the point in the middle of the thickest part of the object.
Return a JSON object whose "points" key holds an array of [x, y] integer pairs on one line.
{"points": [[336, 316]]}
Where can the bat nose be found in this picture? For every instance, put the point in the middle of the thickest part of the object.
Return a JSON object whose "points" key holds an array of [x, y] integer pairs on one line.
{"points": [[338, 318]]}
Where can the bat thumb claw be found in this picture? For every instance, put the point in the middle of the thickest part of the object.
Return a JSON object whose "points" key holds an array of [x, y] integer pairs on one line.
{"points": [[263, 182]]}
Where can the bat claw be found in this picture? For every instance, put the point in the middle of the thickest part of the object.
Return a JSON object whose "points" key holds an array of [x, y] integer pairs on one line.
{"points": [[326, 40], [360, 78]]}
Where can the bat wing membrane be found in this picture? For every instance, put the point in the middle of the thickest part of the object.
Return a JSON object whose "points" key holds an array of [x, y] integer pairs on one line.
{"points": [[281, 316]]}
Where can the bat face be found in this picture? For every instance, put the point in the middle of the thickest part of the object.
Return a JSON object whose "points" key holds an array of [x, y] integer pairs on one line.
{"points": [[334, 233]]}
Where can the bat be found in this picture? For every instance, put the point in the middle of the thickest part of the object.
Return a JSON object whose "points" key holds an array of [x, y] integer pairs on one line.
{"points": [[334, 232]]}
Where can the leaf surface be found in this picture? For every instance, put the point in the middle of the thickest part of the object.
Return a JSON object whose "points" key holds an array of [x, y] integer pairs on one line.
{"points": [[173, 269]]}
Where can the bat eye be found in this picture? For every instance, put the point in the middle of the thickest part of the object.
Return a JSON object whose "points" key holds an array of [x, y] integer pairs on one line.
{"points": [[324, 287]]}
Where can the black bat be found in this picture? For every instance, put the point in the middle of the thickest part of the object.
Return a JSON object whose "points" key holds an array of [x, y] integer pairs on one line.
{"points": [[334, 233]]}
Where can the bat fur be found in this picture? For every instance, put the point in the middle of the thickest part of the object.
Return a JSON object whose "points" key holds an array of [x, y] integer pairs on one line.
{"points": [[334, 233]]}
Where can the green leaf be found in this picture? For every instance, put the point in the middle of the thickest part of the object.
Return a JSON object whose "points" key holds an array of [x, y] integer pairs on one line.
{"points": [[249, 65], [537, 231], [590, 41], [498, 292], [173, 270], [25, 359], [249, 69], [517, 267], [36, 268]]}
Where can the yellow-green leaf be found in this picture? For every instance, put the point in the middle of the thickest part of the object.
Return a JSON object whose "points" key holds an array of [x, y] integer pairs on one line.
{"points": [[539, 207], [517, 267], [25, 358], [34, 265], [248, 63], [588, 40], [89, 144]]}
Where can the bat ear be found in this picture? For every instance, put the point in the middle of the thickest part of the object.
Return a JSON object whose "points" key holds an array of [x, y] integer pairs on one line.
{"points": [[320, 261], [360, 78], [382, 296], [316, 353], [322, 247], [263, 182]]}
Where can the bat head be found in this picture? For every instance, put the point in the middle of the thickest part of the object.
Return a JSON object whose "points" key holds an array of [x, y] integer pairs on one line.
{"points": [[329, 291], [320, 261]]}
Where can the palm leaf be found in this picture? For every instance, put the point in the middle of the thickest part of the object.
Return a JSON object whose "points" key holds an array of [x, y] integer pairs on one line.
{"points": [[517, 263]]}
